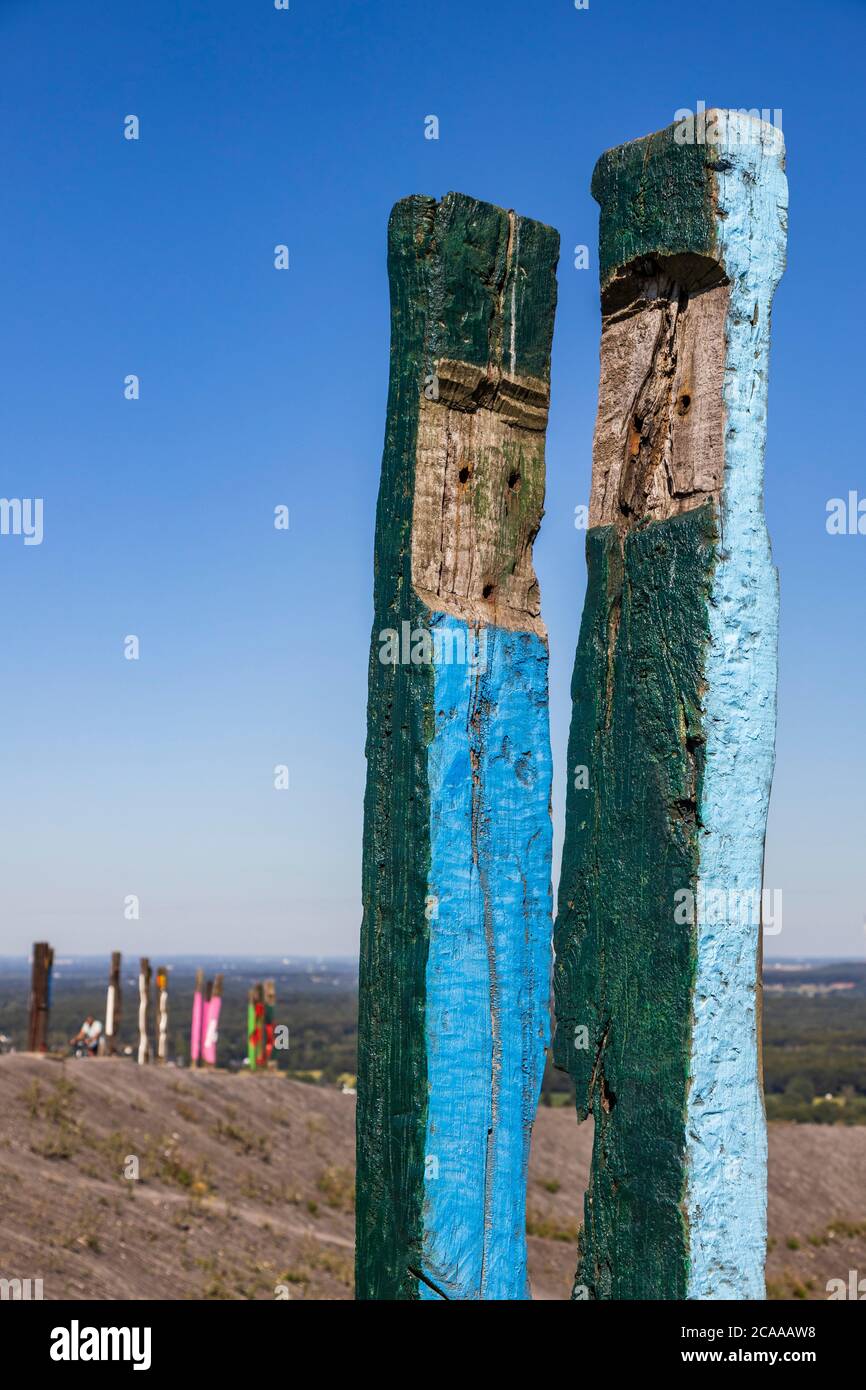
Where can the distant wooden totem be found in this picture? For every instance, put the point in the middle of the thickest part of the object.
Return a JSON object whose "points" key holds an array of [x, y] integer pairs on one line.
{"points": [[210, 1021], [670, 757], [144, 977], [40, 997], [256, 1028], [162, 1015], [113, 1005], [270, 1002], [196, 1025]]}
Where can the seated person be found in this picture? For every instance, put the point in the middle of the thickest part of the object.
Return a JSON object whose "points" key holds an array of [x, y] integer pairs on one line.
{"points": [[89, 1033]]}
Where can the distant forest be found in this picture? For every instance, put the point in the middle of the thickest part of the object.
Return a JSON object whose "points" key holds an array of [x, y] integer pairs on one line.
{"points": [[814, 1043]]}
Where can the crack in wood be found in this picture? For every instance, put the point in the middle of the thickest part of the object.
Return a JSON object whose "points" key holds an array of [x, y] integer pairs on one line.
{"points": [[659, 438]]}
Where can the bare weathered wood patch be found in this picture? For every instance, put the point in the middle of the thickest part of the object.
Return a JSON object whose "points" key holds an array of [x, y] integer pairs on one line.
{"points": [[659, 442], [479, 496]]}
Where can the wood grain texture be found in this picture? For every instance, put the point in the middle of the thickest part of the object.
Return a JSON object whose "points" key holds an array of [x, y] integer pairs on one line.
{"points": [[624, 968], [659, 437]]}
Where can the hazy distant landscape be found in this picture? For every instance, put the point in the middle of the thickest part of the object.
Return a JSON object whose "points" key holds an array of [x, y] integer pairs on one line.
{"points": [[316, 1000], [814, 1022]]}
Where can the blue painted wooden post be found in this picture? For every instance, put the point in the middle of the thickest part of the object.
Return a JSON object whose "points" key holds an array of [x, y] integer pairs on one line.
{"points": [[658, 936], [455, 950], [726, 1146]]}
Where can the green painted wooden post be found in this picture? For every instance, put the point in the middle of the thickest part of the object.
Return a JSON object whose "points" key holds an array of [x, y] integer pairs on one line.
{"points": [[671, 750], [455, 948], [256, 1028]]}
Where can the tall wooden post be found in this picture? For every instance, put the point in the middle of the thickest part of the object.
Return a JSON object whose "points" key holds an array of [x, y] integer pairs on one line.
{"points": [[255, 1028], [210, 1031], [455, 946], [197, 1012], [670, 759], [144, 1049], [270, 1003], [162, 1014], [40, 997], [113, 1005]]}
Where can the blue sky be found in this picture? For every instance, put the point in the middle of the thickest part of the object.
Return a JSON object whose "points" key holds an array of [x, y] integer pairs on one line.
{"points": [[262, 387]]}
